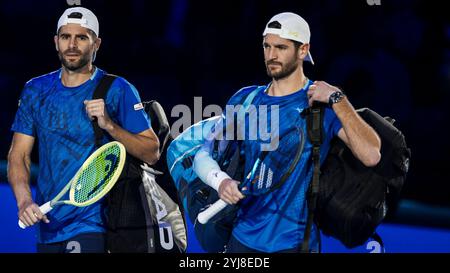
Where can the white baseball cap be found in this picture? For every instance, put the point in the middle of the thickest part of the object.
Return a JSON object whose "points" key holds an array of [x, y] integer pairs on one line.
{"points": [[81, 16], [292, 27]]}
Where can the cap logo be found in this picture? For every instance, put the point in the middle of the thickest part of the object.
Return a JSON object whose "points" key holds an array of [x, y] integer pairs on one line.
{"points": [[293, 33]]}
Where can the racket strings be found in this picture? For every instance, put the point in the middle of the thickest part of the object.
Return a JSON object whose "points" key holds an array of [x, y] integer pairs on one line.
{"points": [[272, 166], [97, 174]]}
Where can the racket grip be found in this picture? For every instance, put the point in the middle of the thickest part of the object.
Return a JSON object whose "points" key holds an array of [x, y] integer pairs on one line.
{"points": [[21, 225], [204, 216], [44, 209]]}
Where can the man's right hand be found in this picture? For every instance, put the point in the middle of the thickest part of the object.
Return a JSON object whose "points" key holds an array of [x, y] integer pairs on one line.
{"points": [[30, 214], [229, 192]]}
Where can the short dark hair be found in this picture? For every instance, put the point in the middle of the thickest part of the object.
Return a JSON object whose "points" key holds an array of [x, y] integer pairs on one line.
{"points": [[274, 24], [90, 31], [297, 44]]}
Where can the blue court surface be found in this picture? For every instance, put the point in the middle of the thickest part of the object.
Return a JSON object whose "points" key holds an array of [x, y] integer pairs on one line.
{"points": [[398, 238]]}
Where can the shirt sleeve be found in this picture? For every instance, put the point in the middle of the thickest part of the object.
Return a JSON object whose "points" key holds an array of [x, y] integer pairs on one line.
{"points": [[332, 123], [130, 113], [23, 121]]}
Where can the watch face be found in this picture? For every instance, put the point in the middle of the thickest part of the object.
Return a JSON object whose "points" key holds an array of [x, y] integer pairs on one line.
{"points": [[336, 97]]}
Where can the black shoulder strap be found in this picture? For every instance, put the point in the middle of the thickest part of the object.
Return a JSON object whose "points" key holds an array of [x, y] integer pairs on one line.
{"points": [[244, 102], [100, 93], [314, 124]]}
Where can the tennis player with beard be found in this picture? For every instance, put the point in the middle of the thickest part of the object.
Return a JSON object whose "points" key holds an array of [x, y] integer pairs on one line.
{"points": [[276, 222], [56, 109]]}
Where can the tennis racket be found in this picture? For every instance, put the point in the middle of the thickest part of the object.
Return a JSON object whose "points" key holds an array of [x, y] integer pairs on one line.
{"points": [[93, 180], [269, 172]]}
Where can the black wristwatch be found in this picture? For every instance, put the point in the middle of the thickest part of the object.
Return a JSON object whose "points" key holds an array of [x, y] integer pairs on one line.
{"points": [[335, 97]]}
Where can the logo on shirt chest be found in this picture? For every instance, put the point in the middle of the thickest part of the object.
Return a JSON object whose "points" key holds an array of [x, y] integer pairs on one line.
{"points": [[138, 106]]}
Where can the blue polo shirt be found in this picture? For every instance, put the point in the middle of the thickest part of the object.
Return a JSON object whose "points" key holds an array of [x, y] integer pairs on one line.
{"points": [[276, 221], [56, 116]]}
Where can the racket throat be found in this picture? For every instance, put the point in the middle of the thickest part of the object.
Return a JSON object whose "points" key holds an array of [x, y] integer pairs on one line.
{"points": [[45, 208]]}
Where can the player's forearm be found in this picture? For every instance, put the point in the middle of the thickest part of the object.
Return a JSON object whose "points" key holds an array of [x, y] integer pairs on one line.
{"points": [[208, 170], [142, 147], [362, 139], [19, 177]]}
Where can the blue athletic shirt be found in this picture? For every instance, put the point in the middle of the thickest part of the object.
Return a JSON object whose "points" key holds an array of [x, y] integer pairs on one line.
{"points": [[56, 115], [276, 221]]}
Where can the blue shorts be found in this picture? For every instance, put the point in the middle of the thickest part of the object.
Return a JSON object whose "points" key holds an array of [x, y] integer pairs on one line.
{"points": [[82, 243]]}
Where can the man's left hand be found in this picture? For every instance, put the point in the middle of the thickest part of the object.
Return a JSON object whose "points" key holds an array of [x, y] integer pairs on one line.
{"points": [[96, 109], [320, 91]]}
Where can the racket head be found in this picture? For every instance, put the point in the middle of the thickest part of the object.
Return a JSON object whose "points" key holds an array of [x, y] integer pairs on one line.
{"points": [[98, 174], [273, 168]]}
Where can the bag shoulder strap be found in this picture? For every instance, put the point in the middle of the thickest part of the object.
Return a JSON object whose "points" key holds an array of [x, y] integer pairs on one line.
{"points": [[247, 100], [100, 92], [314, 119], [245, 103]]}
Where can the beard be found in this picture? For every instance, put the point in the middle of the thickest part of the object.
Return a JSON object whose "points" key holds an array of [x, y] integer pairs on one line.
{"points": [[83, 60], [286, 69]]}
